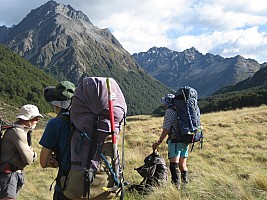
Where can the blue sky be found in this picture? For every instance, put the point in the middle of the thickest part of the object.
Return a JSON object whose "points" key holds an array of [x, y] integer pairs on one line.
{"points": [[223, 27]]}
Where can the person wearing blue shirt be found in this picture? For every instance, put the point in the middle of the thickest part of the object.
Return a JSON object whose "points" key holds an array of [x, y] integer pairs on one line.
{"points": [[55, 140]]}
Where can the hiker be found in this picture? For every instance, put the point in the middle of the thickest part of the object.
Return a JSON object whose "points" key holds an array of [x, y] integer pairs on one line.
{"points": [[55, 140], [16, 153], [177, 151]]}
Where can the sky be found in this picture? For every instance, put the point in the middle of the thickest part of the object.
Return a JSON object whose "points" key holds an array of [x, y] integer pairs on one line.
{"points": [[224, 27]]}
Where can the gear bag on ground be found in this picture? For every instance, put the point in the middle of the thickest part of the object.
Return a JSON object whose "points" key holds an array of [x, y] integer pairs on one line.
{"points": [[93, 161], [155, 174]]}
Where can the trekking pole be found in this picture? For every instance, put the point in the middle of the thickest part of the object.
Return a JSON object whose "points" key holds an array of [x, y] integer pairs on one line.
{"points": [[114, 137], [0, 123], [123, 183]]}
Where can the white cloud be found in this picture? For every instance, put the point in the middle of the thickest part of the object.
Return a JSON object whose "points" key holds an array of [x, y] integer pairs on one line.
{"points": [[218, 18], [224, 27], [228, 43]]}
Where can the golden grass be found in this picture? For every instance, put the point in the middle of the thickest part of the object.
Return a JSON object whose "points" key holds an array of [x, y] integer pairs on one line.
{"points": [[231, 165]]}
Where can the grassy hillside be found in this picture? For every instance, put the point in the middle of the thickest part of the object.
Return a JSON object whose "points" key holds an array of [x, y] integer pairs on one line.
{"points": [[258, 80], [232, 165], [250, 92], [21, 82], [252, 97]]}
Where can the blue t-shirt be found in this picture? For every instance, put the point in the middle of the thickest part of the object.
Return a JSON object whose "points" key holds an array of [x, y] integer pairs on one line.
{"points": [[56, 137]]}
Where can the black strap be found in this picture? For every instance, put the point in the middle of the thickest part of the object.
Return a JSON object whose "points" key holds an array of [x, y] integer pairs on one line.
{"points": [[61, 172], [91, 154]]}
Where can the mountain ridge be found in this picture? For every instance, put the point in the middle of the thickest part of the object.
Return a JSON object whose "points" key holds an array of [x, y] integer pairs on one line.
{"points": [[258, 80], [207, 73]]}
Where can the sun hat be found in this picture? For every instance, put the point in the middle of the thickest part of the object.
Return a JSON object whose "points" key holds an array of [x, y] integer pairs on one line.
{"points": [[168, 99], [60, 95], [28, 112]]}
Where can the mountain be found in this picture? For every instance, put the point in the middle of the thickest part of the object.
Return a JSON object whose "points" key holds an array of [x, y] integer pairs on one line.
{"points": [[206, 73], [258, 80], [64, 42], [21, 82], [250, 92]]}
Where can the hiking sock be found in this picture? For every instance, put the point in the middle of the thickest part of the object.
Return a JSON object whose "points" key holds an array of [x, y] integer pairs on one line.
{"points": [[184, 175], [175, 174]]}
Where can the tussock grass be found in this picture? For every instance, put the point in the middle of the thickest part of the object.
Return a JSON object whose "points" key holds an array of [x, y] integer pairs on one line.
{"points": [[231, 165], [260, 181]]}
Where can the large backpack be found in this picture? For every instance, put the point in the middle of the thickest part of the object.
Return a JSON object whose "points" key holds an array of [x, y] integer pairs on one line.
{"points": [[154, 171], [188, 113], [95, 166], [3, 128]]}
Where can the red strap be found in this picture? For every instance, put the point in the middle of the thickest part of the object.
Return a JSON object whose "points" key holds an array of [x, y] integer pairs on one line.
{"points": [[8, 168]]}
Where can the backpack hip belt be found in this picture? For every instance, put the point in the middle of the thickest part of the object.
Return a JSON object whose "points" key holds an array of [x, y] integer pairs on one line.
{"points": [[9, 168]]}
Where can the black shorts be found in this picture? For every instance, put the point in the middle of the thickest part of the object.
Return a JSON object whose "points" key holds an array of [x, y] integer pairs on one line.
{"points": [[10, 184]]}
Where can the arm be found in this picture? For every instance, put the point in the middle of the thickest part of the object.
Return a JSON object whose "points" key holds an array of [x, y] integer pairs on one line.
{"points": [[26, 152], [161, 138], [47, 158], [167, 123], [49, 142]]}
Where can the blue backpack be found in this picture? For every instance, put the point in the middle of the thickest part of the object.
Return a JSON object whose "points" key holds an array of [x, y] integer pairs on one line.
{"points": [[188, 113]]}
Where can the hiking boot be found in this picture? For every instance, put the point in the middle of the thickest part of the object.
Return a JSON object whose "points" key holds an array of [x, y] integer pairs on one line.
{"points": [[177, 185], [184, 176], [175, 175]]}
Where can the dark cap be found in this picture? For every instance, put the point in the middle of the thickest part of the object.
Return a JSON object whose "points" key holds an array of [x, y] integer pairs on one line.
{"points": [[60, 95]]}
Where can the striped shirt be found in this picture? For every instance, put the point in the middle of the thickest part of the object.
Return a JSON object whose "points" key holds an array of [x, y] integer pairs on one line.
{"points": [[170, 120]]}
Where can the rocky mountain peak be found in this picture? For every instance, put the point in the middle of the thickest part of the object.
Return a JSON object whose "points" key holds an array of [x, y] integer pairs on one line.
{"points": [[157, 49], [47, 15], [3, 31], [190, 55], [63, 42], [207, 73], [56, 8], [192, 50]]}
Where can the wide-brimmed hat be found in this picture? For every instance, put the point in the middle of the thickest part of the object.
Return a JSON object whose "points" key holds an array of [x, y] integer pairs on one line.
{"points": [[168, 99], [60, 95], [28, 112]]}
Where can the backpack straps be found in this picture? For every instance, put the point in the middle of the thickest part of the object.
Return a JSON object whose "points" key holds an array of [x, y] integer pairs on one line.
{"points": [[88, 174], [178, 131], [60, 173]]}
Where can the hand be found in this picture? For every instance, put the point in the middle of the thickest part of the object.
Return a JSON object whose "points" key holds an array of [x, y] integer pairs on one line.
{"points": [[53, 159], [156, 144]]}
